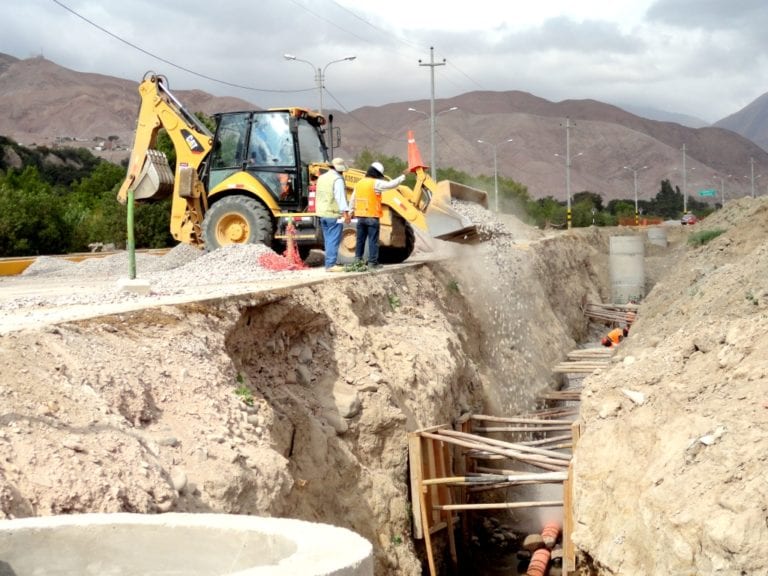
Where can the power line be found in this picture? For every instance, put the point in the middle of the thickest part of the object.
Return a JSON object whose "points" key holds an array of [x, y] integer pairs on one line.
{"points": [[399, 39], [169, 62]]}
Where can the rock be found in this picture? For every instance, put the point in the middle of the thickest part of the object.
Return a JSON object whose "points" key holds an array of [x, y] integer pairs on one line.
{"points": [[179, 480], [305, 355], [636, 397], [303, 375], [533, 542], [73, 443], [169, 441]]}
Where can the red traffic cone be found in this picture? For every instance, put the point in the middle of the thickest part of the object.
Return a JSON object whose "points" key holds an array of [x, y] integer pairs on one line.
{"points": [[414, 156]]}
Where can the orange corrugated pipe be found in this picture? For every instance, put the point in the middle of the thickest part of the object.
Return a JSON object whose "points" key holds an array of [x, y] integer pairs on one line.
{"points": [[549, 534], [539, 562]]}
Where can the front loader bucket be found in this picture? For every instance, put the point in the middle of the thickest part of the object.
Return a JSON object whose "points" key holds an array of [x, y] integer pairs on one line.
{"points": [[443, 220], [155, 181], [457, 191]]}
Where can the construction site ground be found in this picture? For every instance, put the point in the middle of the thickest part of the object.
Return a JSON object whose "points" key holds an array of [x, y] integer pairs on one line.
{"points": [[234, 389]]}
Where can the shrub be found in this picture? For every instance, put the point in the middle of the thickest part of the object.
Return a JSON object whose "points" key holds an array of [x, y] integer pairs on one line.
{"points": [[704, 236]]}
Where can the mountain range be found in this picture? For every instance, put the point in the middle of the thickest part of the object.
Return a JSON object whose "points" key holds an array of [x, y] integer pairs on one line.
{"points": [[524, 137]]}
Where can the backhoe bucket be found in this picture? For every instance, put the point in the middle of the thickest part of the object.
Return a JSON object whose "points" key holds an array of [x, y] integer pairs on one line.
{"points": [[155, 181]]}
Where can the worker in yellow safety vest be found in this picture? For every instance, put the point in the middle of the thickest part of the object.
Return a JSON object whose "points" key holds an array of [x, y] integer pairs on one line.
{"points": [[366, 208], [333, 211]]}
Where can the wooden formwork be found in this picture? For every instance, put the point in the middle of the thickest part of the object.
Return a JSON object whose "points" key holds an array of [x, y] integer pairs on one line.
{"points": [[444, 469], [430, 459]]}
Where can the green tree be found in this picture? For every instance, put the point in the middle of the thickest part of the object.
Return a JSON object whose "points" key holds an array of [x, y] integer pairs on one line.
{"points": [[31, 216], [546, 212], [92, 209], [668, 202]]}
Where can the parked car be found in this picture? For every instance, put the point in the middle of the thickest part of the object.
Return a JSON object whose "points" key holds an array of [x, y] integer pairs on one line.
{"points": [[689, 219]]}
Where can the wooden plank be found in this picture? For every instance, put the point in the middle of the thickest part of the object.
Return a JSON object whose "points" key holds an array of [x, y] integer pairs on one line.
{"points": [[504, 505], [569, 550], [425, 514], [569, 553], [444, 495], [416, 477]]}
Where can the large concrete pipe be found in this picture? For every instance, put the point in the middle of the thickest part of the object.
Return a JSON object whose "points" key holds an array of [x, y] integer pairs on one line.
{"points": [[657, 235], [627, 268], [179, 544]]}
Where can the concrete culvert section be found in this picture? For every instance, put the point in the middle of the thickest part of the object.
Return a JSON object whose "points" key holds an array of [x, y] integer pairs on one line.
{"points": [[183, 544]]}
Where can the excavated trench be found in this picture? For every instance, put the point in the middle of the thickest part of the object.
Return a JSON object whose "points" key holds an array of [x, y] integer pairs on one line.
{"points": [[298, 401]]}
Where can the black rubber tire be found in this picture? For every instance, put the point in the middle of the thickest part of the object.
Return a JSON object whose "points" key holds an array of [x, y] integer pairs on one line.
{"points": [[396, 255], [347, 246], [237, 220]]}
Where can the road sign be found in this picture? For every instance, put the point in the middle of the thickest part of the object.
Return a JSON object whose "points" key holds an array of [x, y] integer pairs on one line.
{"points": [[708, 192]]}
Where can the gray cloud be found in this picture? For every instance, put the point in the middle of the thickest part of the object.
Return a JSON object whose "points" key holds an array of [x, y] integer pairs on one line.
{"points": [[699, 57]]}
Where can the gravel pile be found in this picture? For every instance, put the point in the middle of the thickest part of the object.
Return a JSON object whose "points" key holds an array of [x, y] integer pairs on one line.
{"points": [[112, 266], [487, 223], [234, 263], [178, 271]]}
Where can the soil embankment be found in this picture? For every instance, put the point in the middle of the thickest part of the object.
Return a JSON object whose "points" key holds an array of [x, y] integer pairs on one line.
{"points": [[295, 399]]}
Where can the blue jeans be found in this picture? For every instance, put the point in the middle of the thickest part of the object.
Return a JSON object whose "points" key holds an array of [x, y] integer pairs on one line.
{"points": [[332, 237], [367, 229]]}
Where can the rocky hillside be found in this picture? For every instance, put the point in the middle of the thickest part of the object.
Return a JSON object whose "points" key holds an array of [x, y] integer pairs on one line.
{"points": [[43, 102], [670, 470], [751, 121]]}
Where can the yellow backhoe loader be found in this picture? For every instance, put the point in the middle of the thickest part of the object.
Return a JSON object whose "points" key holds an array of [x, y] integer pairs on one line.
{"points": [[250, 178]]}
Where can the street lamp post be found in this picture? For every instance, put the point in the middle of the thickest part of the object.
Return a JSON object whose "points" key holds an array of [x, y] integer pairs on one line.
{"points": [[634, 178], [752, 176], [722, 188], [319, 72], [495, 170], [433, 116]]}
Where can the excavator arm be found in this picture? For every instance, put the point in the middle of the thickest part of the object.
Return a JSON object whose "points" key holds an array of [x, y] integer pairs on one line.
{"points": [[149, 175]]}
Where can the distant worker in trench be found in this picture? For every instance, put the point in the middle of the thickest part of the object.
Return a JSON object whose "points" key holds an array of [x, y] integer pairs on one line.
{"points": [[614, 337]]}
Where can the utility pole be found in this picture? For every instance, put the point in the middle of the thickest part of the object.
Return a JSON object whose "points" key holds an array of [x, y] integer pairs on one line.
{"points": [[495, 170], [432, 64], [685, 186], [568, 217]]}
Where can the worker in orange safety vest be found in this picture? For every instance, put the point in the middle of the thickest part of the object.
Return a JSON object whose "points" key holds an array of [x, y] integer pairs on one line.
{"points": [[614, 337], [366, 206]]}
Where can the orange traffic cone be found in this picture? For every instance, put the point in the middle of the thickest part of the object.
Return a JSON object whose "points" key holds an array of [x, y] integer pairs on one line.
{"points": [[414, 156]]}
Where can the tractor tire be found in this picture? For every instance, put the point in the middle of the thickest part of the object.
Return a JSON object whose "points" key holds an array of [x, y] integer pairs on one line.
{"points": [[398, 254], [237, 220], [347, 245]]}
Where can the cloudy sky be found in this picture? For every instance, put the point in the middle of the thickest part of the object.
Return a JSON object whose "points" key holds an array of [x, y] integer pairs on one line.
{"points": [[703, 58]]}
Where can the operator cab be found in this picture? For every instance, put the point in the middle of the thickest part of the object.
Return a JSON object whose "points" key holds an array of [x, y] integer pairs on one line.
{"points": [[276, 147]]}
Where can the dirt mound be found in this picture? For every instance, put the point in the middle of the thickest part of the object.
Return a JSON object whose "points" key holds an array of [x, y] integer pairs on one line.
{"points": [[675, 484]]}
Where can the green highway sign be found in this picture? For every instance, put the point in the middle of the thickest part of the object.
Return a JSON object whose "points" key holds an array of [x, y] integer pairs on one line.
{"points": [[708, 192]]}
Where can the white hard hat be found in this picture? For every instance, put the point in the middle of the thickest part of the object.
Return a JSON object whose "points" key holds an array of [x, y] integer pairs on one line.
{"points": [[378, 167]]}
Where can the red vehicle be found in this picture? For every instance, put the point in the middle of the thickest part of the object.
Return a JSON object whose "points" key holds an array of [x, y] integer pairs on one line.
{"points": [[689, 219]]}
